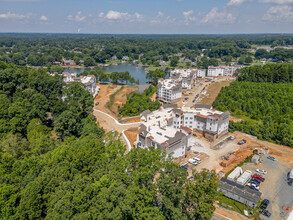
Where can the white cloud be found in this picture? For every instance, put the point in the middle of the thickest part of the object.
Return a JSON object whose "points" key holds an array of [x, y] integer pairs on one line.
{"points": [[279, 14], [214, 16], [116, 15], [279, 2], [78, 17], [235, 2], [160, 14], [43, 18], [10, 15], [101, 14], [138, 16], [162, 19], [188, 16]]}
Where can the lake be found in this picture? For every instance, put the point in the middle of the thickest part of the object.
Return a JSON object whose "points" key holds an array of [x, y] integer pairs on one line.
{"points": [[137, 73]]}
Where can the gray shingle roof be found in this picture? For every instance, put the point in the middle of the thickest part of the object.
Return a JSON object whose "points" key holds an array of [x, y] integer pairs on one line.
{"points": [[242, 191]]}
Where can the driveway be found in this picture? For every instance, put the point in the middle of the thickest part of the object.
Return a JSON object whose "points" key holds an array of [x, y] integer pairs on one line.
{"points": [[108, 123]]}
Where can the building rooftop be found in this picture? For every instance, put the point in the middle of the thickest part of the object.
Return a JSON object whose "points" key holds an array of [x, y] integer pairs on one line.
{"points": [[203, 112], [242, 191]]}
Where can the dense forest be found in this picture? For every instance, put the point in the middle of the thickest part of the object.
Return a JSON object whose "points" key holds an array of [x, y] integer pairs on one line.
{"points": [[263, 96], [139, 102], [89, 50], [57, 163]]}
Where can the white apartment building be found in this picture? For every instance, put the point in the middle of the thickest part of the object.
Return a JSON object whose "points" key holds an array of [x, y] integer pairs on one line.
{"points": [[169, 90], [200, 73], [170, 128], [203, 119], [222, 70], [89, 81], [156, 130], [183, 76]]}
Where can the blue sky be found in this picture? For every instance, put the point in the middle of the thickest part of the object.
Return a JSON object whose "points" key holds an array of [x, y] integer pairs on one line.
{"points": [[147, 16]]}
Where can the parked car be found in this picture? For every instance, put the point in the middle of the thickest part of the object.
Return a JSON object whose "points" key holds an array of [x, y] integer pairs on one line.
{"points": [[261, 171], [97, 104], [266, 213], [243, 141], [192, 161], [264, 204], [186, 98], [197, 159], [271, 158], [258, 177], [253, 185], [255, 180], [232, 137]]}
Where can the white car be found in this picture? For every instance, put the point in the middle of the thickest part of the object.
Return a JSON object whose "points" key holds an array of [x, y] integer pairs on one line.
{"points": [[255, 186], [197, 159], [192, 161], [261, 171]]}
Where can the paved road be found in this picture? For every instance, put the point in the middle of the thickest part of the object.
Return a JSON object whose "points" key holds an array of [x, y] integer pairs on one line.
{"points": [[109, 123]]}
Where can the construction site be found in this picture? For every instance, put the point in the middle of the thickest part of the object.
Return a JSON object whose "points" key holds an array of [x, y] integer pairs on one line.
{"points": [[222, 155]]}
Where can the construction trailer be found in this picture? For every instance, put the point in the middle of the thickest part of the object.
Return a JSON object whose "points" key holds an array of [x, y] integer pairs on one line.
{"points": [[235, 174], [244, 177]]}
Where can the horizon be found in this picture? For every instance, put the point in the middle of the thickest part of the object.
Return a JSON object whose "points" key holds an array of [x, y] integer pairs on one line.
{"points": [[147, 17]]}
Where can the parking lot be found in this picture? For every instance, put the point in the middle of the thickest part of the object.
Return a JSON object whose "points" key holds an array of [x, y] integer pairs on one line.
{"points": [[275, 187]]}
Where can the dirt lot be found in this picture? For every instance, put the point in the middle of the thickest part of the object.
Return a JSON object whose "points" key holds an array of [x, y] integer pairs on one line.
{"points": [[104, 96], [131, 134], [213, 91], [121, 97]]}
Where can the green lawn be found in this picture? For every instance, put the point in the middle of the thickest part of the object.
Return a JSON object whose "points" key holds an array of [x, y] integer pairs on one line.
{"points": [[235, 206]]}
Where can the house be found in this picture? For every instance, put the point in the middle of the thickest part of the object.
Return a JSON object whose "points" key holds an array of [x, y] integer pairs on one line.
{"points": [[169, 91], [69, 63], [239, 193], [156, 130], [88, 81]]}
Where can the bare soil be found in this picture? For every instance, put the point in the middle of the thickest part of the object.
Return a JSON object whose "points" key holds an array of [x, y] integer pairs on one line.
{"points": [[131, 134], [121, 98], [104, 96], [213, 91]]}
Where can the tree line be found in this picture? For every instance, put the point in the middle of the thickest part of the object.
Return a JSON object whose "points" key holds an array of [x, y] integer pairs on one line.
{"points": [[263, 96], [57, 163], [42, 50]]}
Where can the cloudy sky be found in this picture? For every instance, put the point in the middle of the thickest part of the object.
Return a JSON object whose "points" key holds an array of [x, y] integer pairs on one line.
{"points": [[147, 16]]}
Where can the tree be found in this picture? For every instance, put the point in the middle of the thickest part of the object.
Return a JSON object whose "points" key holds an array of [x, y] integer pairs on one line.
{"points": [[89, 61], [174, 61], [155, 75]]}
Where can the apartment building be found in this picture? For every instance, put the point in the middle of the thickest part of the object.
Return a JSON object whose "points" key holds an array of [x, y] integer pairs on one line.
{"points": [[88, 81], [200, 73], [211, 123], [222, 70], [156, 130], [169, 90]]}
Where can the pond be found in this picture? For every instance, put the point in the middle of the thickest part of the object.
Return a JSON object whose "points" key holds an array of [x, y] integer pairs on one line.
{"points": [[138, 73]]}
